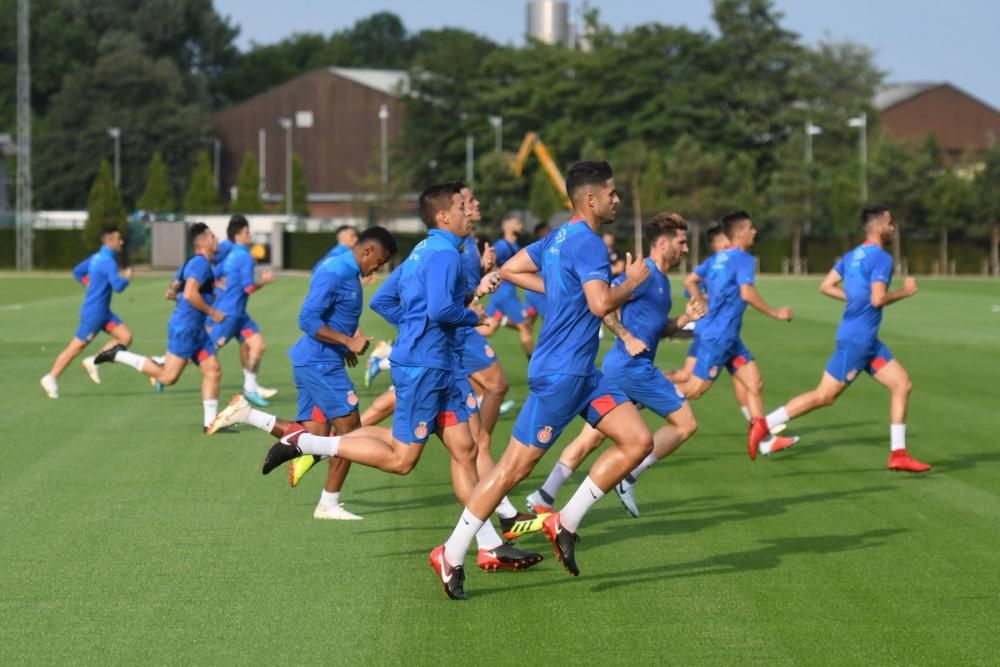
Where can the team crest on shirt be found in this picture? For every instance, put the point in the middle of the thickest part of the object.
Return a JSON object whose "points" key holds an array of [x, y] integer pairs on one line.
{"points": [[470, 401], [221, 341], [713, 371], [545, 435], [851, 375], [421, 431], [489, 351], [90, 337], [352, 398], [561, 235]]}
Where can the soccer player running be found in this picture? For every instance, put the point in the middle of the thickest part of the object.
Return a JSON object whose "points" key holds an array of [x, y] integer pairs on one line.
{"points": [[347, 238], [644, 320], [505, 305], [187, 339], [237, 274], [562, 378], [99, 274], [730, 282], [425, 298], [861, 279]]}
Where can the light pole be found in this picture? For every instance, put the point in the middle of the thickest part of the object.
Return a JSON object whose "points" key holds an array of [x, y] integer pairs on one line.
{"points": [[470, 156], [216, 152], [811, 131], [116, 134], [286, 124], [262, 161], [861, 122], [383, 117], [497, 123]]}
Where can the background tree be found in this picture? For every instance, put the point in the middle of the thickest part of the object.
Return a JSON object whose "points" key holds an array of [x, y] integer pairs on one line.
{"points": [[987, 201], [497, 189], [299, 186], [247, 187], [202, 196], [156, 197], [896, 178], [104, 207], [630, 160], [788, 196], [692, 179], [948, 201], [544, 200]]}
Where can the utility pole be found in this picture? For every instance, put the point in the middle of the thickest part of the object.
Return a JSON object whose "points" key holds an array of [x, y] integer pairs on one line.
{"points": [[24, 217]]}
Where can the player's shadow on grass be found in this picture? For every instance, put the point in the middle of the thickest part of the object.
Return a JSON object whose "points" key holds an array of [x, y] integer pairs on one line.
{"points": [[958, 463], [766, 557], [714, 516]]}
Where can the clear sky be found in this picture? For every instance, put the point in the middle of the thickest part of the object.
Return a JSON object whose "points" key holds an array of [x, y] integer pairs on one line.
{"points": [[914, 40]]}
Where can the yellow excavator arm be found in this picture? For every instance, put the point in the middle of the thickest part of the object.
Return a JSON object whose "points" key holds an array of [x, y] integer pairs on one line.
{"points": [[533, 143]]}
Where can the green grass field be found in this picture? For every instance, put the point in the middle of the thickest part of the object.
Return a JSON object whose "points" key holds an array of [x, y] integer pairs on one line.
{"points": [[128, 537]]}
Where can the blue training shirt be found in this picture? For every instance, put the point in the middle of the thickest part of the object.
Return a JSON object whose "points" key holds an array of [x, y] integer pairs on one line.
{"points": [[505, 250], [101, 278], [335, 299], [185, 315], [335, 251], [728, 270], [646, 315], [569, 257], [238, 272], [426, 296], [866, 264]]}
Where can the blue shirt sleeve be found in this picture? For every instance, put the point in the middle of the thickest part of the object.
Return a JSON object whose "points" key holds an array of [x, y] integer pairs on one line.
{"points": [[386, 301], [80, 271], [590, 261], [322, 291], [882, 268], [839, 267], [117, 282], [441, 305], [536, 251], [200, 271], [246, 273], [702, 269], [504, 251], [746, 267]]}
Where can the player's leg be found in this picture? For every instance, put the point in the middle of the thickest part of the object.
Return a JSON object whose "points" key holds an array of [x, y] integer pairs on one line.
{"points": [[749, 377], [542, 500], [495, 387], [682, 375], [255, 345], [526, 335], [890, 374], [211, 376], [66, 357], [740, 393], [381, 408], [329, 506]]}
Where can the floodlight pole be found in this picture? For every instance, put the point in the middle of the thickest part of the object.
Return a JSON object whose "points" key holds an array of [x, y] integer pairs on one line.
{"points": [[861, 122], [383, 117], [116, 134], [24, 215], [286, 124]]}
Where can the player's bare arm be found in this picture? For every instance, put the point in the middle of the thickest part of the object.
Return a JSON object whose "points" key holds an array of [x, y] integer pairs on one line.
{"points": [[193, 295], [356, 344], [488, 284], [604, 299], [881, 296], [521, 271], [488, 260], [172, 289], [831, 286], [634, 346], [750, 294], [691, 282], [693, 311]]}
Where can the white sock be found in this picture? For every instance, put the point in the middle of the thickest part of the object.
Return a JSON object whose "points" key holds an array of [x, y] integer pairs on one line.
{"points": [[560, 473], [210, 408], [642, 467], [320, 445], [159, 359], [131, 359], [487, 537], [261, 420], [461, 538], [479, 399], [777, 418], [897, 436], [746, 413], [327, 499], [506, 509], [383, 364], [249, 381], [571, 515]]}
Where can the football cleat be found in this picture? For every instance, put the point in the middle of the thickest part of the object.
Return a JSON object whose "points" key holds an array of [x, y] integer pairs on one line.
{"points": [[108, 355], [563, 543], [520, 524], [300, 466], [506, 557], [507, 406], [536, 503], [284, 450], [452, 577], [50, 386], [234, 413], [255, 398], [626, 494], [758, 431], [899, 460], [776, 444], [336, 513], [267, 392], [88, 365]]}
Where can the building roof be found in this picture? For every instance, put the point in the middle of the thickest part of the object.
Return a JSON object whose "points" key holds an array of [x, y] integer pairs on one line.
{"points": [[892, 94], [389, 81]]}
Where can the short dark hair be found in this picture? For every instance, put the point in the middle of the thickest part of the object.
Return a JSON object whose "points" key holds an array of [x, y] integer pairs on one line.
{"points": [[378, 235], [196, 230], [664, 224], [342, 228], [872, 211], [731, 220], [435, 199], [587, 172], [541, 229], [236, 225], [713, 230], [108, 231]]}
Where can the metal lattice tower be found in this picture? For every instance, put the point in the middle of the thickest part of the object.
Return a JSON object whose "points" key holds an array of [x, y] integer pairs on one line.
{"points": [[24, 214]]}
